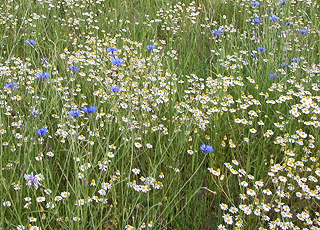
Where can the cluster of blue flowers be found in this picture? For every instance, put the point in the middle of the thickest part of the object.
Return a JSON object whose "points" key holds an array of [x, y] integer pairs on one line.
{"points": [[43, 75], [206, 148], [74, 68], [42, 131], [91, 109], [11, 85], [30, 42], [217, 32]]}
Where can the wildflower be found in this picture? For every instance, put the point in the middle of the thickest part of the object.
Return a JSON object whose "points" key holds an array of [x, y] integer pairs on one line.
{"points": [[65, 194], [206, 148], [42, 131], [233, 210], [288, 23], [58, 198], [30, 42], [6, 203], [74, 68], [91, 109], [262, 49], [34, 228], [44, 60], [117, 61], [273, 76], [32, 219], [11, 85], [274, 18], [283, 64], [303, 31], [138, 144], [34, 112], [256, 20], [40, 199], [294, 59], [217, 32], [228, 219], [223, 206], [136, 171], [255, 3], [115, 88], [150, 47], [112, 49], [282, 2], [33, 180], [43, 75], [74, 113]]}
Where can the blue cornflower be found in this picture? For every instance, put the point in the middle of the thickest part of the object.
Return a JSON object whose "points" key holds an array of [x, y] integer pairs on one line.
{"points": [[42, 132], [294, 59], [256, 20], [262, 49], [44, 60], [112, 49], [255, 3], [206, 148], [115, 88], [33, 180], [274, 18], [217, 32], [150, 47], [74, 68], [74, 112], [11, 85], [91, 109], [43, 75], [273, 76], [283, 64], [117, 61], [34, 112], [282, 2], [30, 42], [303, 31]]}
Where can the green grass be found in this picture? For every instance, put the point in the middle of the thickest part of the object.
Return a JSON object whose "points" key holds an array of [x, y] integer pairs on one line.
{"points": [[194, 88]]}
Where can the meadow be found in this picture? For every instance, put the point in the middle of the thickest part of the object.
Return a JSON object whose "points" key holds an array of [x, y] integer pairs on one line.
{"points": [[140, 114]]}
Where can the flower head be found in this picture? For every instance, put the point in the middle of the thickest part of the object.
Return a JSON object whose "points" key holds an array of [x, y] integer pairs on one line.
{"points": [[150, 47], [11, 85], [273, 76], [217, 32], [303, 31], [283, 64], [117, 61], [74, 68], [282, 2], [42, 131], [43, 75], [206, 148], [44, 60], [30, 42], [34, 112], [274, 18], [256, 20], [112, 49], [91, 109], [115, 88], [33, 180], [262, 49], [74, 112], [255, 3]]}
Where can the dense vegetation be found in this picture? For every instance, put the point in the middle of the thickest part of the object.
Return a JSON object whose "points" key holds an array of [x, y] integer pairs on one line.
{"points": [[159, 114]]}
